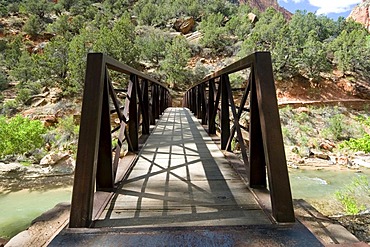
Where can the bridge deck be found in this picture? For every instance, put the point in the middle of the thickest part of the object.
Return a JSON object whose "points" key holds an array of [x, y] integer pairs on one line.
{"points": [[183, 192], [181, 178]]}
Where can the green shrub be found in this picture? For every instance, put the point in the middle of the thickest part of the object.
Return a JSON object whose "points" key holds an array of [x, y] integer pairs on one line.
{"points": [[19, 135], [359, 144], [24, 94], [335, 128], [33, 26], [174, 64], [351, 194], [151, 45], [65, 135], [214, 33], [3, 81], [9, 107], [363, 120], [13, 8]]}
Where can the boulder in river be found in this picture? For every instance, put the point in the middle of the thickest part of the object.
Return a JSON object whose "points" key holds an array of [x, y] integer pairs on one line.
{"points": [[59, 163]]}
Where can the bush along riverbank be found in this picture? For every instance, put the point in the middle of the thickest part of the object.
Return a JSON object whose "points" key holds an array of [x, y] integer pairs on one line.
{"points": [[326, 136], [335, 139]]}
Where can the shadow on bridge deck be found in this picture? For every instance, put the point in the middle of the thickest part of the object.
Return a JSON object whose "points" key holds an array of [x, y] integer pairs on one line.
{"points": [[181, 178], [183, 192]]}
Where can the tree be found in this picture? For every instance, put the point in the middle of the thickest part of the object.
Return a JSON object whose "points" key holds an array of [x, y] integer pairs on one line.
{"points": [[26, 69], [313, 58], [81, 7], [219, 6], [351, 50], [3, 81], [118, 7], [147, 14], [214, 33], [33, 26], [151, 45], [67, 4], [13, 52], [239, 23], [77, 54], [39, 7], [119, 42], [27, 73], [177, 55], [13, 8], [61, 26], [54, 61], [271, 34]]}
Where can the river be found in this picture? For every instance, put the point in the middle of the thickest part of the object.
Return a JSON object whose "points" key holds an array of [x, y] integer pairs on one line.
{"points": [[19, 208]]}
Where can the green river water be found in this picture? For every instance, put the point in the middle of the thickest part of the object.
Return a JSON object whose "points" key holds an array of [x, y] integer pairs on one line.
{"points": [[19, 208]]}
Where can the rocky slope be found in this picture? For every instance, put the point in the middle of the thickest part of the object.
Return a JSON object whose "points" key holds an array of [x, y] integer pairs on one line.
{"points": [[262, 5], [361, 13]]}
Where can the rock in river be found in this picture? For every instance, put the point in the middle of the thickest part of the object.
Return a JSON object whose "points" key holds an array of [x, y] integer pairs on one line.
{"points": [[59, 163]]}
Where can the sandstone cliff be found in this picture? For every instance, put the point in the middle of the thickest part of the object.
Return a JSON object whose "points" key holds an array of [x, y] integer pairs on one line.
{"points": [[361, 13], [262, 5]]}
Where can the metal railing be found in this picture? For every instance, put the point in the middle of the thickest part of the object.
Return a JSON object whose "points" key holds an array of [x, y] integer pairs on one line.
{"points": [[97, 160], [266, 148]]}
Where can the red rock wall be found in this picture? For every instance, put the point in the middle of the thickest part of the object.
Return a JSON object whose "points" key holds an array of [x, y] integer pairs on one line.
{"points": [[361, 14], [262, 5]]}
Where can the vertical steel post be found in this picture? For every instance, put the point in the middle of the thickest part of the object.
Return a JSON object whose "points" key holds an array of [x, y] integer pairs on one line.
{"points": [[194, 100], [133, 125], [105, 173], [162, 100], [281, 197], [145, 110], [199, 102], [157, 101], [88, 143], [211, 107], [257, 170], [225, 114], [153, 106], [203, 102]]}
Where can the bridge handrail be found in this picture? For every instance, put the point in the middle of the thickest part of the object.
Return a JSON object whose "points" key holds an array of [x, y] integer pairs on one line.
{"points": [[145, 100], [266, 147]]}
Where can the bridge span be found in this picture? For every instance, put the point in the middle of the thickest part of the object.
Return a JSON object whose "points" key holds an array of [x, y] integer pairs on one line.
{"points": [[148, 174]]}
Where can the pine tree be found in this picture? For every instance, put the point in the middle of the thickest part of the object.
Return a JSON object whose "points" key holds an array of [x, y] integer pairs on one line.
{"points": [[177, 55]]}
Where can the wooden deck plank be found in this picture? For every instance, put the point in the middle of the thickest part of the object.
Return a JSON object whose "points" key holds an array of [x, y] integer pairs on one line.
{"points": [[181, 178]]}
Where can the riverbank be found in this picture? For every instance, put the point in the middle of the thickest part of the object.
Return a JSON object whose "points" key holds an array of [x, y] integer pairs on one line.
{"points": [[310, 183], [328, 230], [26, 192]]}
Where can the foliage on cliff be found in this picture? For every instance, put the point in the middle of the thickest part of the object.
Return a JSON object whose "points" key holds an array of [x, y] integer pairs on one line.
{"points": [[45, 44]]}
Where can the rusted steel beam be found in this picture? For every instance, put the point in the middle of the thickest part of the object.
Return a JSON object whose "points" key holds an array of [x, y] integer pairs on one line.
{"points": [[194, 100], [257, 167], [145, 107], [211, 107], [133, 125], [236, 122], [225, 114], [162, 103], [88, 144], [203, 103], [157, 96], [241, 108], [105, 171], [120, 67], [216, 107], [281, 198], [199, 101], [152, 104]]}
